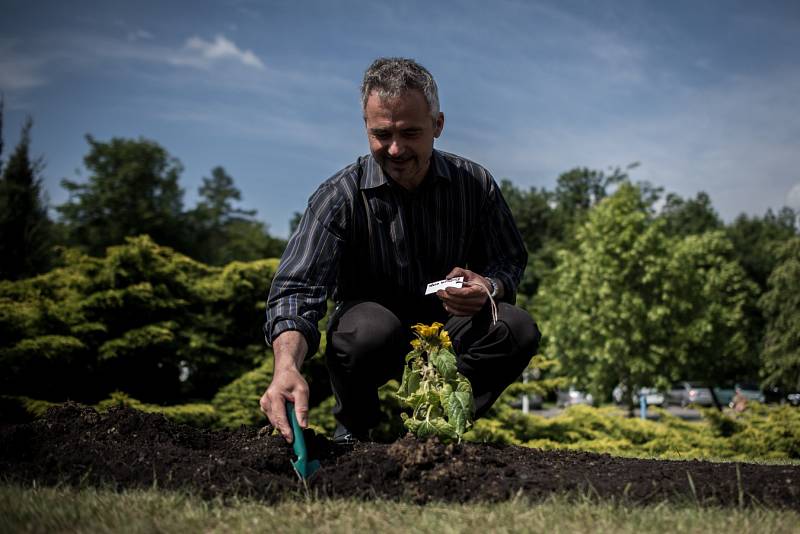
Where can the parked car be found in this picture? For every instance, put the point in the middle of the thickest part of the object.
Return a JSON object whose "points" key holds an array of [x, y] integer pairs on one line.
{"points": [[750, 391], [686, 393], [572, 396], [652, 396]]}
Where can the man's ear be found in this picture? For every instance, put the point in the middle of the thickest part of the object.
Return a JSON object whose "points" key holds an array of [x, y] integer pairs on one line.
{"points": [[438, 125]]}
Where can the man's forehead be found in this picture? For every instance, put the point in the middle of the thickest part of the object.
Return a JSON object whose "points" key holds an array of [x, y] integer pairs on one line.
{"points": [[406, 97], [404, 108]]}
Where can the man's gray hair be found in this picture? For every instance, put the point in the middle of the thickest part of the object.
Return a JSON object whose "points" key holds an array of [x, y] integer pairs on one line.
{"points": [[391, 76]]}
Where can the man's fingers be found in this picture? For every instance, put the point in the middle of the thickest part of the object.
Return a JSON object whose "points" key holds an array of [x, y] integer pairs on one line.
{"points": [[276, 412], [467, 293], [457, 271], [301, 412], [282, 423]]}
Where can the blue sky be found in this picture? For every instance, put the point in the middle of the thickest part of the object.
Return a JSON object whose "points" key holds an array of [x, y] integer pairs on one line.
{"points": [[705, 95]]}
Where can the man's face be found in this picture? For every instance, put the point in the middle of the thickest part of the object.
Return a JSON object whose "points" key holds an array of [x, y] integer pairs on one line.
{"points": [[401, 133]]}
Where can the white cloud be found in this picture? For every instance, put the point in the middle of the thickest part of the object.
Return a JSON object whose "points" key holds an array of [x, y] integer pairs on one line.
{"points": [[140, 35], [218, 49], [620, 60], [19, 72], [736, 140], [793, 198]]}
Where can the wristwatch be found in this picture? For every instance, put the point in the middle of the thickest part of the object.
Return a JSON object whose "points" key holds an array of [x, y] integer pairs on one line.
{"points": [[493, 285]]}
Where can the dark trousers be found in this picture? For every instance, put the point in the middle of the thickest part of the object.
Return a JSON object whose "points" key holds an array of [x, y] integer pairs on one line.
{"points": [[367, 344]]}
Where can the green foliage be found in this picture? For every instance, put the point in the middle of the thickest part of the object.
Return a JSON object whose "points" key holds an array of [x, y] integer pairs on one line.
{"points": [[631, 305], [689, 217], [25, 228], [237, 402], [440, 396], [132, 189], [547, 220], [756, 241], [761, 432], [781, 308], [221, 233], [707, 296], [136, 321]]}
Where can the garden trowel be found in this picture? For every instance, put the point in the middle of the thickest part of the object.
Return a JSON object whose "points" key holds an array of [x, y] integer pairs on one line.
{"points": [[304, 467]]}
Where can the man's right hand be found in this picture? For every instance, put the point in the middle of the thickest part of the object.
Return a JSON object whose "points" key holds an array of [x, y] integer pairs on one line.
{"points": [[287, 384]]}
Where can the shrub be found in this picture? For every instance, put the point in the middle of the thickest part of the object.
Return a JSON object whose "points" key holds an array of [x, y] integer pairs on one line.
{"points": [[763, 432], [237, 403], [135, 320]]}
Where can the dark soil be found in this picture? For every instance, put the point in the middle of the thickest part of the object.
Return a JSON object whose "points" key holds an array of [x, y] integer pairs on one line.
{"points": [[129, 449]]}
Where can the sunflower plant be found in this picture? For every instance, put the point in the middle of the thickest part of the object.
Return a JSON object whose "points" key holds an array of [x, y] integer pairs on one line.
{"points": [[440, 397]]}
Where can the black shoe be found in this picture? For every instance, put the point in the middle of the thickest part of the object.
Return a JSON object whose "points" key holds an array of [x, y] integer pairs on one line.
{"points": [[343, 436]]}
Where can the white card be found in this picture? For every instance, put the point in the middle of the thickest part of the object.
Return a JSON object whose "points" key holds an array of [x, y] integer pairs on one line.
{"points": [[433, 287]]}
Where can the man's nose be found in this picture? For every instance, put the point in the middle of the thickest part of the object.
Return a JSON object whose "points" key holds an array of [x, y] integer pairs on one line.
{"points": [[394, 148]]}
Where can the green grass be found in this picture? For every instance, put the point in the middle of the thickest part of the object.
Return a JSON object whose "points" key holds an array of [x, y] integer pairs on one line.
{"points": [[90, 510]]}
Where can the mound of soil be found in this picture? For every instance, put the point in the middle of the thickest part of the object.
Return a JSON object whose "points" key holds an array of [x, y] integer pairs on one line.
{"points": [[125, 448]]}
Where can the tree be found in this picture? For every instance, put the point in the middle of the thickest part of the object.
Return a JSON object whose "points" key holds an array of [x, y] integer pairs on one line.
{"points": [[222, 233], [25, 228], [756, 240], [532, 213], [623, 307], [781, 307], [132, 190], [687, 217], [577, 191], [708, 295], [535, 219]]}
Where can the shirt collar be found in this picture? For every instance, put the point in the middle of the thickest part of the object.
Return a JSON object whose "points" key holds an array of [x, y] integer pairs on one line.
{"points": [[374, 176]]}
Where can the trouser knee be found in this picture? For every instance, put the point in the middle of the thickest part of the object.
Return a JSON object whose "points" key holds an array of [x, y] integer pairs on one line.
{"points": [[361, 333], [524, 330]]}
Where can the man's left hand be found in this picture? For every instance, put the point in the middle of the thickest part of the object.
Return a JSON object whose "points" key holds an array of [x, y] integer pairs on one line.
{"points": [[466, 300]]}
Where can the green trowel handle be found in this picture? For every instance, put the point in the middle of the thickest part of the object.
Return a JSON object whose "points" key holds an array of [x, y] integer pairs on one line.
{"points": [[298, 443], [304, 468]]}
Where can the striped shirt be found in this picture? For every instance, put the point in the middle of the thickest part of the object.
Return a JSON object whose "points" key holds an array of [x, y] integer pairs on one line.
{"points": [[365, 237]]}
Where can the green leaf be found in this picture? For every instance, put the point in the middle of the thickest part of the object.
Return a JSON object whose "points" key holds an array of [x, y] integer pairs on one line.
{"points": [[444, 395], [464, 385], [459, 410], [425, 429], [412, 425], [444, 362], [420, 397], [413, 381], [444, 429]]}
